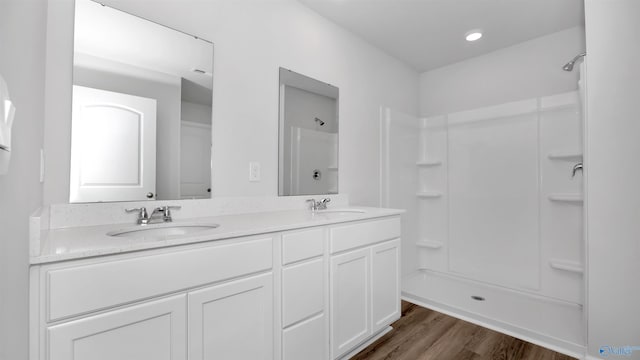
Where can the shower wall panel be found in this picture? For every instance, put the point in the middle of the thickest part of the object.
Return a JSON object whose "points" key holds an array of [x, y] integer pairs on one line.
{"points": [[561, 222], [493, 195], [497, 201], [432, 175]]}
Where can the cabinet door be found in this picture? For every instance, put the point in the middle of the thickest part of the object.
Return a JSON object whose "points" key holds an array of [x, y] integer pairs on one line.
{"points": [[350, 300], [155, 331], [232, 320], [385, 284]]}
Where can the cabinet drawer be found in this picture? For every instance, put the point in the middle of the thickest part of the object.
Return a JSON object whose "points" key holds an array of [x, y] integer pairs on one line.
{"points": [[306, 340], [302, 291], [302, 245], [345, 237], [82, 289]]}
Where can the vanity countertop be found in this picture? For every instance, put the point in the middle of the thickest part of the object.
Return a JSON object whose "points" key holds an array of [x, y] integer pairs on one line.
{"points": [[90, 241]]}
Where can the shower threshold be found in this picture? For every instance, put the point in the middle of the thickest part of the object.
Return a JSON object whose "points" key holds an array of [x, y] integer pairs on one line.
{"points": [[550, 323]]}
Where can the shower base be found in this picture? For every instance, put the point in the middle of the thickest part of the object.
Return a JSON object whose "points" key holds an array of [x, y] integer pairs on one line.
{"points": [[551, 323]]}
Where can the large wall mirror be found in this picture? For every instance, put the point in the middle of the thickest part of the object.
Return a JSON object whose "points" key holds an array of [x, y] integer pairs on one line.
{"points": [[141, 118], [308, 139]]}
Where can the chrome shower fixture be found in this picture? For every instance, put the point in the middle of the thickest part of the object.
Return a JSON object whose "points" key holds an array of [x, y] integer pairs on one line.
{"points": [[319, 121], [569, 66]]}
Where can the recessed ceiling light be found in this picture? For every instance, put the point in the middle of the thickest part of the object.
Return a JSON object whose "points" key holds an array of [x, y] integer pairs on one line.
{"points": [[473, 35]]}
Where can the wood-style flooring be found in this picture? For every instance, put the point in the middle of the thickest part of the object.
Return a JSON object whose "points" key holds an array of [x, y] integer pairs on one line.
{"points": [[423, 334]]}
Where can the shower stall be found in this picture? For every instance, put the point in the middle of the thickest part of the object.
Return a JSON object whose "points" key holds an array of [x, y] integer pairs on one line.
{"points": [[494, 227]]}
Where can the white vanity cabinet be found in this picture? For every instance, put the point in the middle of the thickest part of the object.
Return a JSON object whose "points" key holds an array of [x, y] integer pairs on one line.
{"points": [[365, 282], [189, 302], [314, 293]]}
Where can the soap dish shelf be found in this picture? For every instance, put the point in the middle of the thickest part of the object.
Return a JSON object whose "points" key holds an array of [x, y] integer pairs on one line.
{"points": [[428, 163], [429, 244], [429, 194], [565, 265], [566, 155], [567, 197]]}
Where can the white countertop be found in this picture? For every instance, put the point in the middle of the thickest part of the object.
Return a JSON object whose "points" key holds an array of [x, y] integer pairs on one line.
{"points": [[89, 241]]}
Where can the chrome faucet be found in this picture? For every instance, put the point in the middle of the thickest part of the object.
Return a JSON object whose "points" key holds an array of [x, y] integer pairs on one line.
{"points": [[576, 167], [144, 218], [318, 205]]}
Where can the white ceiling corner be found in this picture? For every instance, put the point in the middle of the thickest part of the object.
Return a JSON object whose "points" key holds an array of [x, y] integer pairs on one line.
{"points": [[428, 34]]}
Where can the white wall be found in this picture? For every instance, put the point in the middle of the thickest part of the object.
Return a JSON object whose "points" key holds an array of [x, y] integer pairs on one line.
{"points": [[22, 44], [526, 70], [252, 39], [195, 113], [613, 188]]}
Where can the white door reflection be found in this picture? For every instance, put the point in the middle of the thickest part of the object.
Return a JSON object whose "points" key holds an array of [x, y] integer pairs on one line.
{"points": [[113, 147]]}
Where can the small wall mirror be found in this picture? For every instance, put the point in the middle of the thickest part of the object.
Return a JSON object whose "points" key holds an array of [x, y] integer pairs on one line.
{"points": [[141, 119], [308, 139]]}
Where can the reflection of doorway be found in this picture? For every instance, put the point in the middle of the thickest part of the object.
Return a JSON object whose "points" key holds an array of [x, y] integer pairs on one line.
{"points": [[113, 146], [195, 160]]}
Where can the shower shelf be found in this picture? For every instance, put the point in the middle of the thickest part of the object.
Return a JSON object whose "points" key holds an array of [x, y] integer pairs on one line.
{"points": [[334, 168], [428, 163], [567, 197], [566, 265], [566, 155], [429, 194], [429, 244]]}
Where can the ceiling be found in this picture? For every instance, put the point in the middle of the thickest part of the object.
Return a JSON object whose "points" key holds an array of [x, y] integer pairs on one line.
{"points": [[428, 34], [107, 34]]}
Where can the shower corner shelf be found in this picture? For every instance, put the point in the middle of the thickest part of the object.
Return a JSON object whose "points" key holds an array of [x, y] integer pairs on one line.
{"points": [[333, 168], [566, 155], [567, 197], [429, 194], [428, 163], [566, 265], [434, 245]]}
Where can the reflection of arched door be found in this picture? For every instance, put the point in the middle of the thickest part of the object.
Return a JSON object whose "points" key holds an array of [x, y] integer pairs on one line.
{"points": [[113, 146]]}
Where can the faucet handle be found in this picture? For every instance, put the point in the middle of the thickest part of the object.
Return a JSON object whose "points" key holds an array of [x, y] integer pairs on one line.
{"points": [[313, 206], [322, 204], [166, 210], [142, 212]]}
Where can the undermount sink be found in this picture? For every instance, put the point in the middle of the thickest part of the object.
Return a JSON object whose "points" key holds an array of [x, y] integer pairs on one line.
{"points": [[162, 231], [341, 211]]}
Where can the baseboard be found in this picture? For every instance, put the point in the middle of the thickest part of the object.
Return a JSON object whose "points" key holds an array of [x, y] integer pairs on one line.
{"points": [[364, 345]]}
